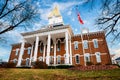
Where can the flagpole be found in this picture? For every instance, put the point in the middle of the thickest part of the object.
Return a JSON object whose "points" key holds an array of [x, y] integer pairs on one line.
{"points": [[83, 47], [81, 22], [89, 45]]}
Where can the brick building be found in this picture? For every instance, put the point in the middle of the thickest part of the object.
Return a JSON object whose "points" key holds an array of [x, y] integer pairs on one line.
{"points": [[56, 44]]}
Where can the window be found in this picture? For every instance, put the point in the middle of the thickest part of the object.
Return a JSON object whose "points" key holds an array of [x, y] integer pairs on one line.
{"points": [[77, 59], [95, 42], [40, 58], [15, 61], [51, 45], [51, 59], [87, 57], [27, 62], [58, 59], [29, 50], [98, 58], [58, 45], [17, 51], [85, 44], [41, 48], [76, 45], [32, 59]]}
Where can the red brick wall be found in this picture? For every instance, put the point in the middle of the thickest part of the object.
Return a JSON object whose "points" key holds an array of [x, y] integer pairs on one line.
{"points": [[102, 48]]}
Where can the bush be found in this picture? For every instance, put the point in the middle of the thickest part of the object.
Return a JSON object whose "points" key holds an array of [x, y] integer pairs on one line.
{"points": [[89, 63], [78, 65], [60, 67], [98, 64], [10, 65], [40, 65], [108, 64]]}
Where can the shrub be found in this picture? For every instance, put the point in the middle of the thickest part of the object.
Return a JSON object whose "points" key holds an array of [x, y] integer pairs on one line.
{"points": [[40, 65], [78, 65], [98, 64], [10, 65], [60, 67], [108, 64], [89, 63]]}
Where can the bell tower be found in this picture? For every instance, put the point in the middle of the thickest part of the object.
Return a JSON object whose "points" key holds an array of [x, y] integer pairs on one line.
{"points": [[55, 18]]}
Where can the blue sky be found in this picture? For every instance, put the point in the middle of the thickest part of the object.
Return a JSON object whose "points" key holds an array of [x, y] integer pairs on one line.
{"points": [[68, 12]]}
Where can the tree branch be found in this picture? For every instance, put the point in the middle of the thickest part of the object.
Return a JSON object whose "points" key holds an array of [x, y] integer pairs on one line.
{"points": [[16, 7], [12, 27], [3, 8]]}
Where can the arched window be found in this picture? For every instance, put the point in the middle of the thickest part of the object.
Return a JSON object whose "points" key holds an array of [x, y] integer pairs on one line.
{"points": [[51, 59], [15, 61], [95, 42], [41, 48], [29, 50], [58, 45], [85, 44], [51, 45], [87, 57], [40, 58], [58, 59], [17, 51], [32, 59], [27, 62], [77, 59], [76, 45], [98, 57]]}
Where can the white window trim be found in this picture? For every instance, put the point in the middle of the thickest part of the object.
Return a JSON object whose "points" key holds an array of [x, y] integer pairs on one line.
{"points": [[17, 51], [40, 47], [84, 44], [57, 58], [94, 43], [57, 44], [76, 60], [29, 48], [77, 45], [14, 60], [40, 58], [88, 55], [51, 57], [99, 57]]}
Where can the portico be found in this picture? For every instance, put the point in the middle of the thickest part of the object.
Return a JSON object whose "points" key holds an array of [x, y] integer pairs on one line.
{"points": [[49, 39]]}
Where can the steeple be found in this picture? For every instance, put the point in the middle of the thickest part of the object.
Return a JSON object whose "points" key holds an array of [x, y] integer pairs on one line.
{"points": [[55, 17], [54, 12]]}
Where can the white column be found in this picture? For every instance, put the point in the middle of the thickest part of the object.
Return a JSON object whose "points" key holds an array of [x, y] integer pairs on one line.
{"points": [[48, 50], [70, 53], [44, 52], [54, 53], [31, 56], [36, 49], [67, 54], [21, 53]]}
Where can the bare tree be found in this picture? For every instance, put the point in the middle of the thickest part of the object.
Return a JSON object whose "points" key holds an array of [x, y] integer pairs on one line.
{"points": [[16, 13], [109, 20]]}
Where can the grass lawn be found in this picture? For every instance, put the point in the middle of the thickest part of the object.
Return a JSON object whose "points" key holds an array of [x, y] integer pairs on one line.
{"points": [[57, 74]]}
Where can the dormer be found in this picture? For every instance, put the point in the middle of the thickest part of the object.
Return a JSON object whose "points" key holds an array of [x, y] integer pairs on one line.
{"points": [[55, 18]]}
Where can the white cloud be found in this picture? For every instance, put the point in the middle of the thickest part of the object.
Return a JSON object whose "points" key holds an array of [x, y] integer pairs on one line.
{"points": [[76, 30], [4, 54], [69, 12], [62, 7], [115, 51], [73, 19], [14, 36]]}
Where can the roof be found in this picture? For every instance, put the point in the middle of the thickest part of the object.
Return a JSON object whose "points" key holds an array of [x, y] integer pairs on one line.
{"points": [[47, 29], [90, 33]]}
